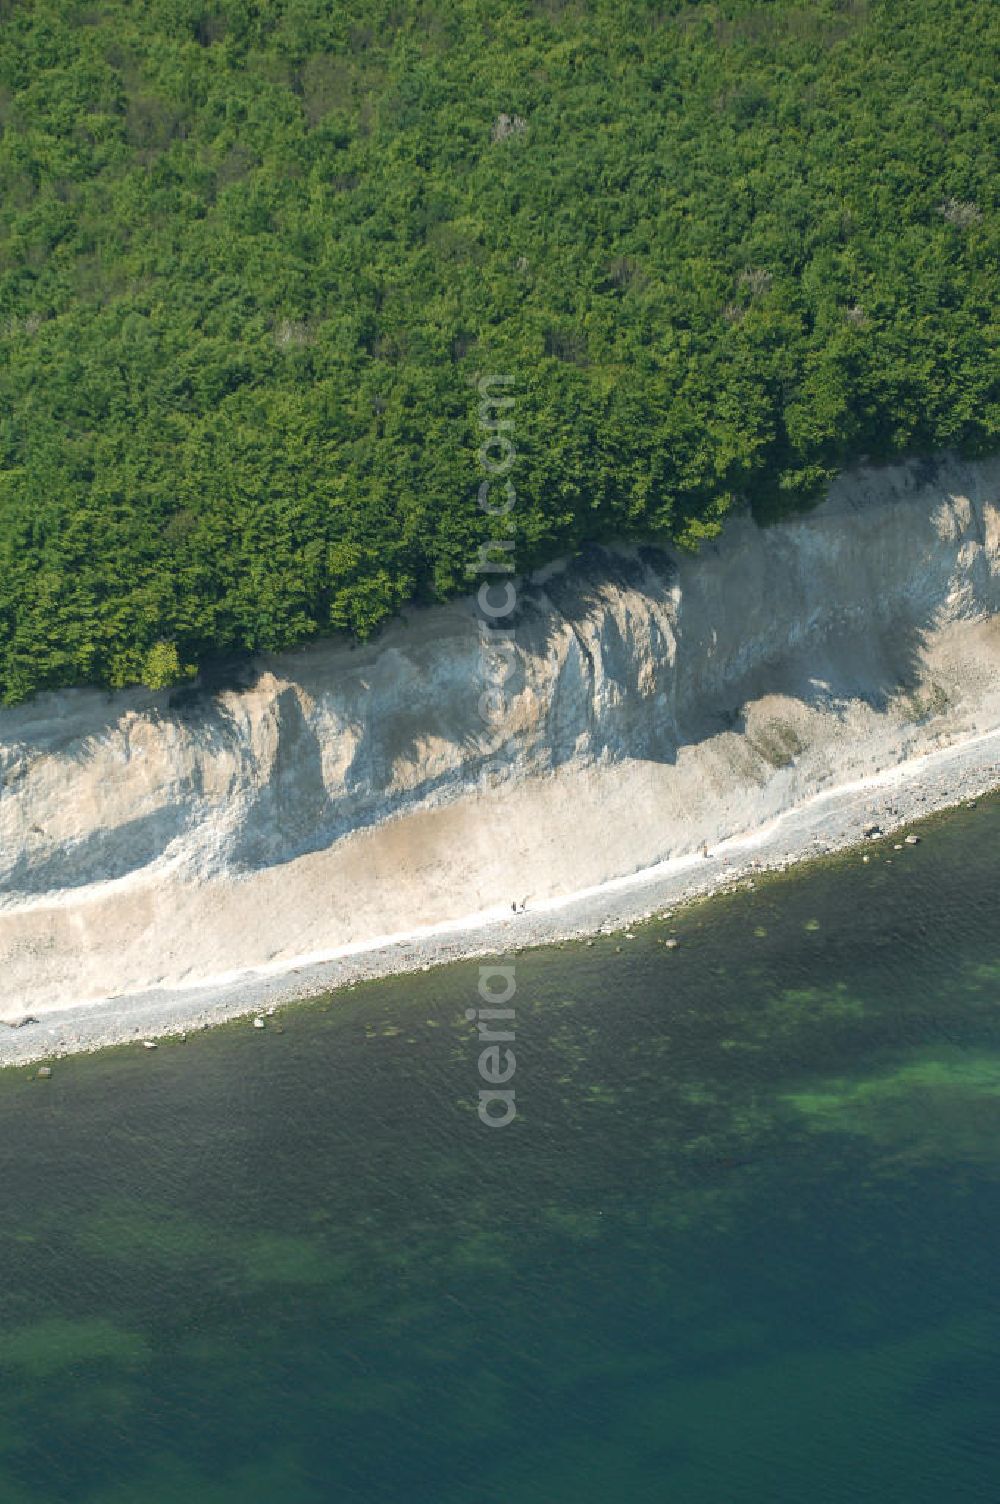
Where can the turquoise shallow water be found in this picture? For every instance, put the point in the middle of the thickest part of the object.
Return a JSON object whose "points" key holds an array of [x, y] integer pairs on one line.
{"points": [[738, 1245]]}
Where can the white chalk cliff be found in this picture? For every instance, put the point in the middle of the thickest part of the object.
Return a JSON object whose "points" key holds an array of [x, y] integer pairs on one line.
{"points": [[338, 794]]}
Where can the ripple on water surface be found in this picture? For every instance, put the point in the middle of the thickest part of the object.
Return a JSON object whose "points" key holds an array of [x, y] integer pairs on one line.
{"points": [[737, 1244]]}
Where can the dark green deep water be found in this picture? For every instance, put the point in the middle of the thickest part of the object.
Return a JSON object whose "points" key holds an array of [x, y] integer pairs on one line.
{"points": [[739, 1247]]}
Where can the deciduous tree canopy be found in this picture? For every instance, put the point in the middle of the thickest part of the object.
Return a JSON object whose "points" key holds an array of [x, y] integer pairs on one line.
{"points": [[255, 257]]}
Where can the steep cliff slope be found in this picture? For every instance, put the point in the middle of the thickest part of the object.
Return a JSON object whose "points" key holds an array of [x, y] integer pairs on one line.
{"points": [[340, 795]]}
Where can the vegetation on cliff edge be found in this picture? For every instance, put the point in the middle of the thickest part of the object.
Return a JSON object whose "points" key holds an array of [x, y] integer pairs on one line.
{"points": [[256, 255]]}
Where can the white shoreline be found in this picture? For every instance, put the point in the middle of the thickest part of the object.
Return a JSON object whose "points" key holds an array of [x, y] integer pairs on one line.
{"points": [[829, 820]]}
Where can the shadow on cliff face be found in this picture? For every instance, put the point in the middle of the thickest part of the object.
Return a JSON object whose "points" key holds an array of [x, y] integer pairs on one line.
{"points": [[101, 855], [830, 660], [627, 652], [598, 708], [294, 812], [290, 812]]}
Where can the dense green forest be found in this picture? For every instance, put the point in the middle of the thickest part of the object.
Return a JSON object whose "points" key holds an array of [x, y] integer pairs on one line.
{"points": [[256, 255]]}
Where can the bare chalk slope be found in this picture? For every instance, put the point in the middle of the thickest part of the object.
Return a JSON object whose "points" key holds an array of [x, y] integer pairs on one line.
{"points": [[338, 796]]}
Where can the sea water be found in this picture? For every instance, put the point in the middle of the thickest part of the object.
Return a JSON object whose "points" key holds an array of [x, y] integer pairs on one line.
{"points": [[739, 1242]]}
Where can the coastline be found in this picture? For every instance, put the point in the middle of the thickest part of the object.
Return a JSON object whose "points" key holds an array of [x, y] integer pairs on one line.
{"points": [[830, 820], [337, 814]]}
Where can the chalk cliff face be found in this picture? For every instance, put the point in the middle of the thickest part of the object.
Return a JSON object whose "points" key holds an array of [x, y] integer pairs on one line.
{"points": [[341, 794]]}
